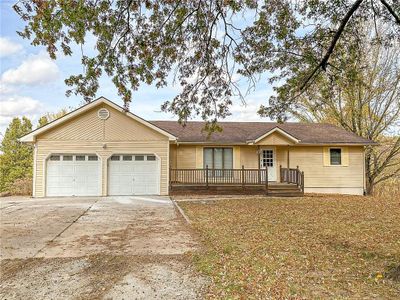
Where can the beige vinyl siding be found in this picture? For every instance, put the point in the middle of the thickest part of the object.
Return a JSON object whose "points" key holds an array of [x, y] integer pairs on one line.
{"points": [[88, 134], [236, 157], [323, 178], [281, 157], [249, 157], [347, 179], [275, 138], [173, 155], [88, 127], [186, 158], [199, 157]]}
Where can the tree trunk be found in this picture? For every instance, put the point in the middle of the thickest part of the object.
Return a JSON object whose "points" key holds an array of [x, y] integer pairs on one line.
{"points": [[370, 184]]}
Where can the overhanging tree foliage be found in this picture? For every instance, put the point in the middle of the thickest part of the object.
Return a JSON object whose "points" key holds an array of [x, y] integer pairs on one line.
{"points": [[363, 98], [16, 159], [204, 44]]}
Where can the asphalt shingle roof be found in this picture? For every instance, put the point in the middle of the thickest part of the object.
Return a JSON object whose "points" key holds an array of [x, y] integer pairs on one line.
{"points": [[241, 132]]}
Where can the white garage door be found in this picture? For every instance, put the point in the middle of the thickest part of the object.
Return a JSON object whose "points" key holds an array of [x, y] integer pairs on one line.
{"points": [[73, 175], [133, 175]]}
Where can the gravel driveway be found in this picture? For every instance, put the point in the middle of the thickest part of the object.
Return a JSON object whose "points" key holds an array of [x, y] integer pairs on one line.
{"points": [[110, 248]]}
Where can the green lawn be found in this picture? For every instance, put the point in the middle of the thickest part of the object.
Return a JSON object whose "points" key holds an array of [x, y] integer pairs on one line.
{"points": [[313, 247]]}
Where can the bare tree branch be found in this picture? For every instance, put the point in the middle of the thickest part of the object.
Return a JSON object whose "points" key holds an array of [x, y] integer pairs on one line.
{"points": [[323, 63], [390, 9]]}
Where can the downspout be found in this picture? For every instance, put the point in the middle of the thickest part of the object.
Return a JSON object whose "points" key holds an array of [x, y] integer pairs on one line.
{"points": [[176, 156], [364, 177], [259, 163], [288, 157], [34, 170]]}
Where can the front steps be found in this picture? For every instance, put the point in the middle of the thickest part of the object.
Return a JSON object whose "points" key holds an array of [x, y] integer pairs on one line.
{"points": [[284, 190]]}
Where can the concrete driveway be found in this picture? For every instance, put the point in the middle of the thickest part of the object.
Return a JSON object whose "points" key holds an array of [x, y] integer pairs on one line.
{"points": [[111, 248]]}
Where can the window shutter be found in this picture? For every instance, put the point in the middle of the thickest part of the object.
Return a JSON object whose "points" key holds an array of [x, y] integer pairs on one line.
{"points": [[345, 156], [326, 157]]}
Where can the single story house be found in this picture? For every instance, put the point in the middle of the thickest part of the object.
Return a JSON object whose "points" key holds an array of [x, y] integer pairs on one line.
{"points": [[100, 149]]}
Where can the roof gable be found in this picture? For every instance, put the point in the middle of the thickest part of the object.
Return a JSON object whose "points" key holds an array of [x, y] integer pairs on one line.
{"points": [[82, 111], [276, 136]]}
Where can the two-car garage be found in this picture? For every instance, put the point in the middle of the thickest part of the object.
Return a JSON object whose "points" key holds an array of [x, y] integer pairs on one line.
{"points": [[81, 175], [100, 149]]}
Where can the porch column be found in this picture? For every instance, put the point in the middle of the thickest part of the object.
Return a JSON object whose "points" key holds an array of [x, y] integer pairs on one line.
{"points": [[259, 164], [288, 156]]}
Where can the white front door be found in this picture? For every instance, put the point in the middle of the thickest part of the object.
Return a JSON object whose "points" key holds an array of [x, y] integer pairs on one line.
{"points": [[133, 175], [73, 175], [268, 160]]}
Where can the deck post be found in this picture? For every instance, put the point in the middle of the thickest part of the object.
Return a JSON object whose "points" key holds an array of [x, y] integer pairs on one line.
{"points": [[170, 178], [266, 180], [259, 164], [302, 182], [280, 173], [243, 181], [207, 176], [297, 176]]}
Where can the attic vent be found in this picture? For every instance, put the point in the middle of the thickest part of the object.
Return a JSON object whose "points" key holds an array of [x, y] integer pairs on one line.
{"points": [[103, 113]]}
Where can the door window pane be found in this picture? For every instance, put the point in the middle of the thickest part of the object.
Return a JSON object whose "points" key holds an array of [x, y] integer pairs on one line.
{"points": [[267, 158], [151, 157], [336, 156], [67, 157], [127, 157], [139, 157], [55, 157], [80, 157], [115, 157], [93, 157]]}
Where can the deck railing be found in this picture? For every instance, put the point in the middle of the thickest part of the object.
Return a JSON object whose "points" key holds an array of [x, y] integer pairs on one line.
{"points": [[210, 177], [291, 175], [233, 177]]}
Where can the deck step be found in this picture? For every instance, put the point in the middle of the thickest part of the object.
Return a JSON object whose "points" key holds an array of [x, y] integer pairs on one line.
{"points": [[286, 194], [283, 187], [284, 190]]}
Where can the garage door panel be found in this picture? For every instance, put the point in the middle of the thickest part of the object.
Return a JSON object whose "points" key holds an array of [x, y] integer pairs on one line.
{"points": [[71, 177], [133, 177]]}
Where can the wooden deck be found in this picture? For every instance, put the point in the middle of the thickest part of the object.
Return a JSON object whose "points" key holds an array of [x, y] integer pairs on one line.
{"points": [[236, 181]]}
